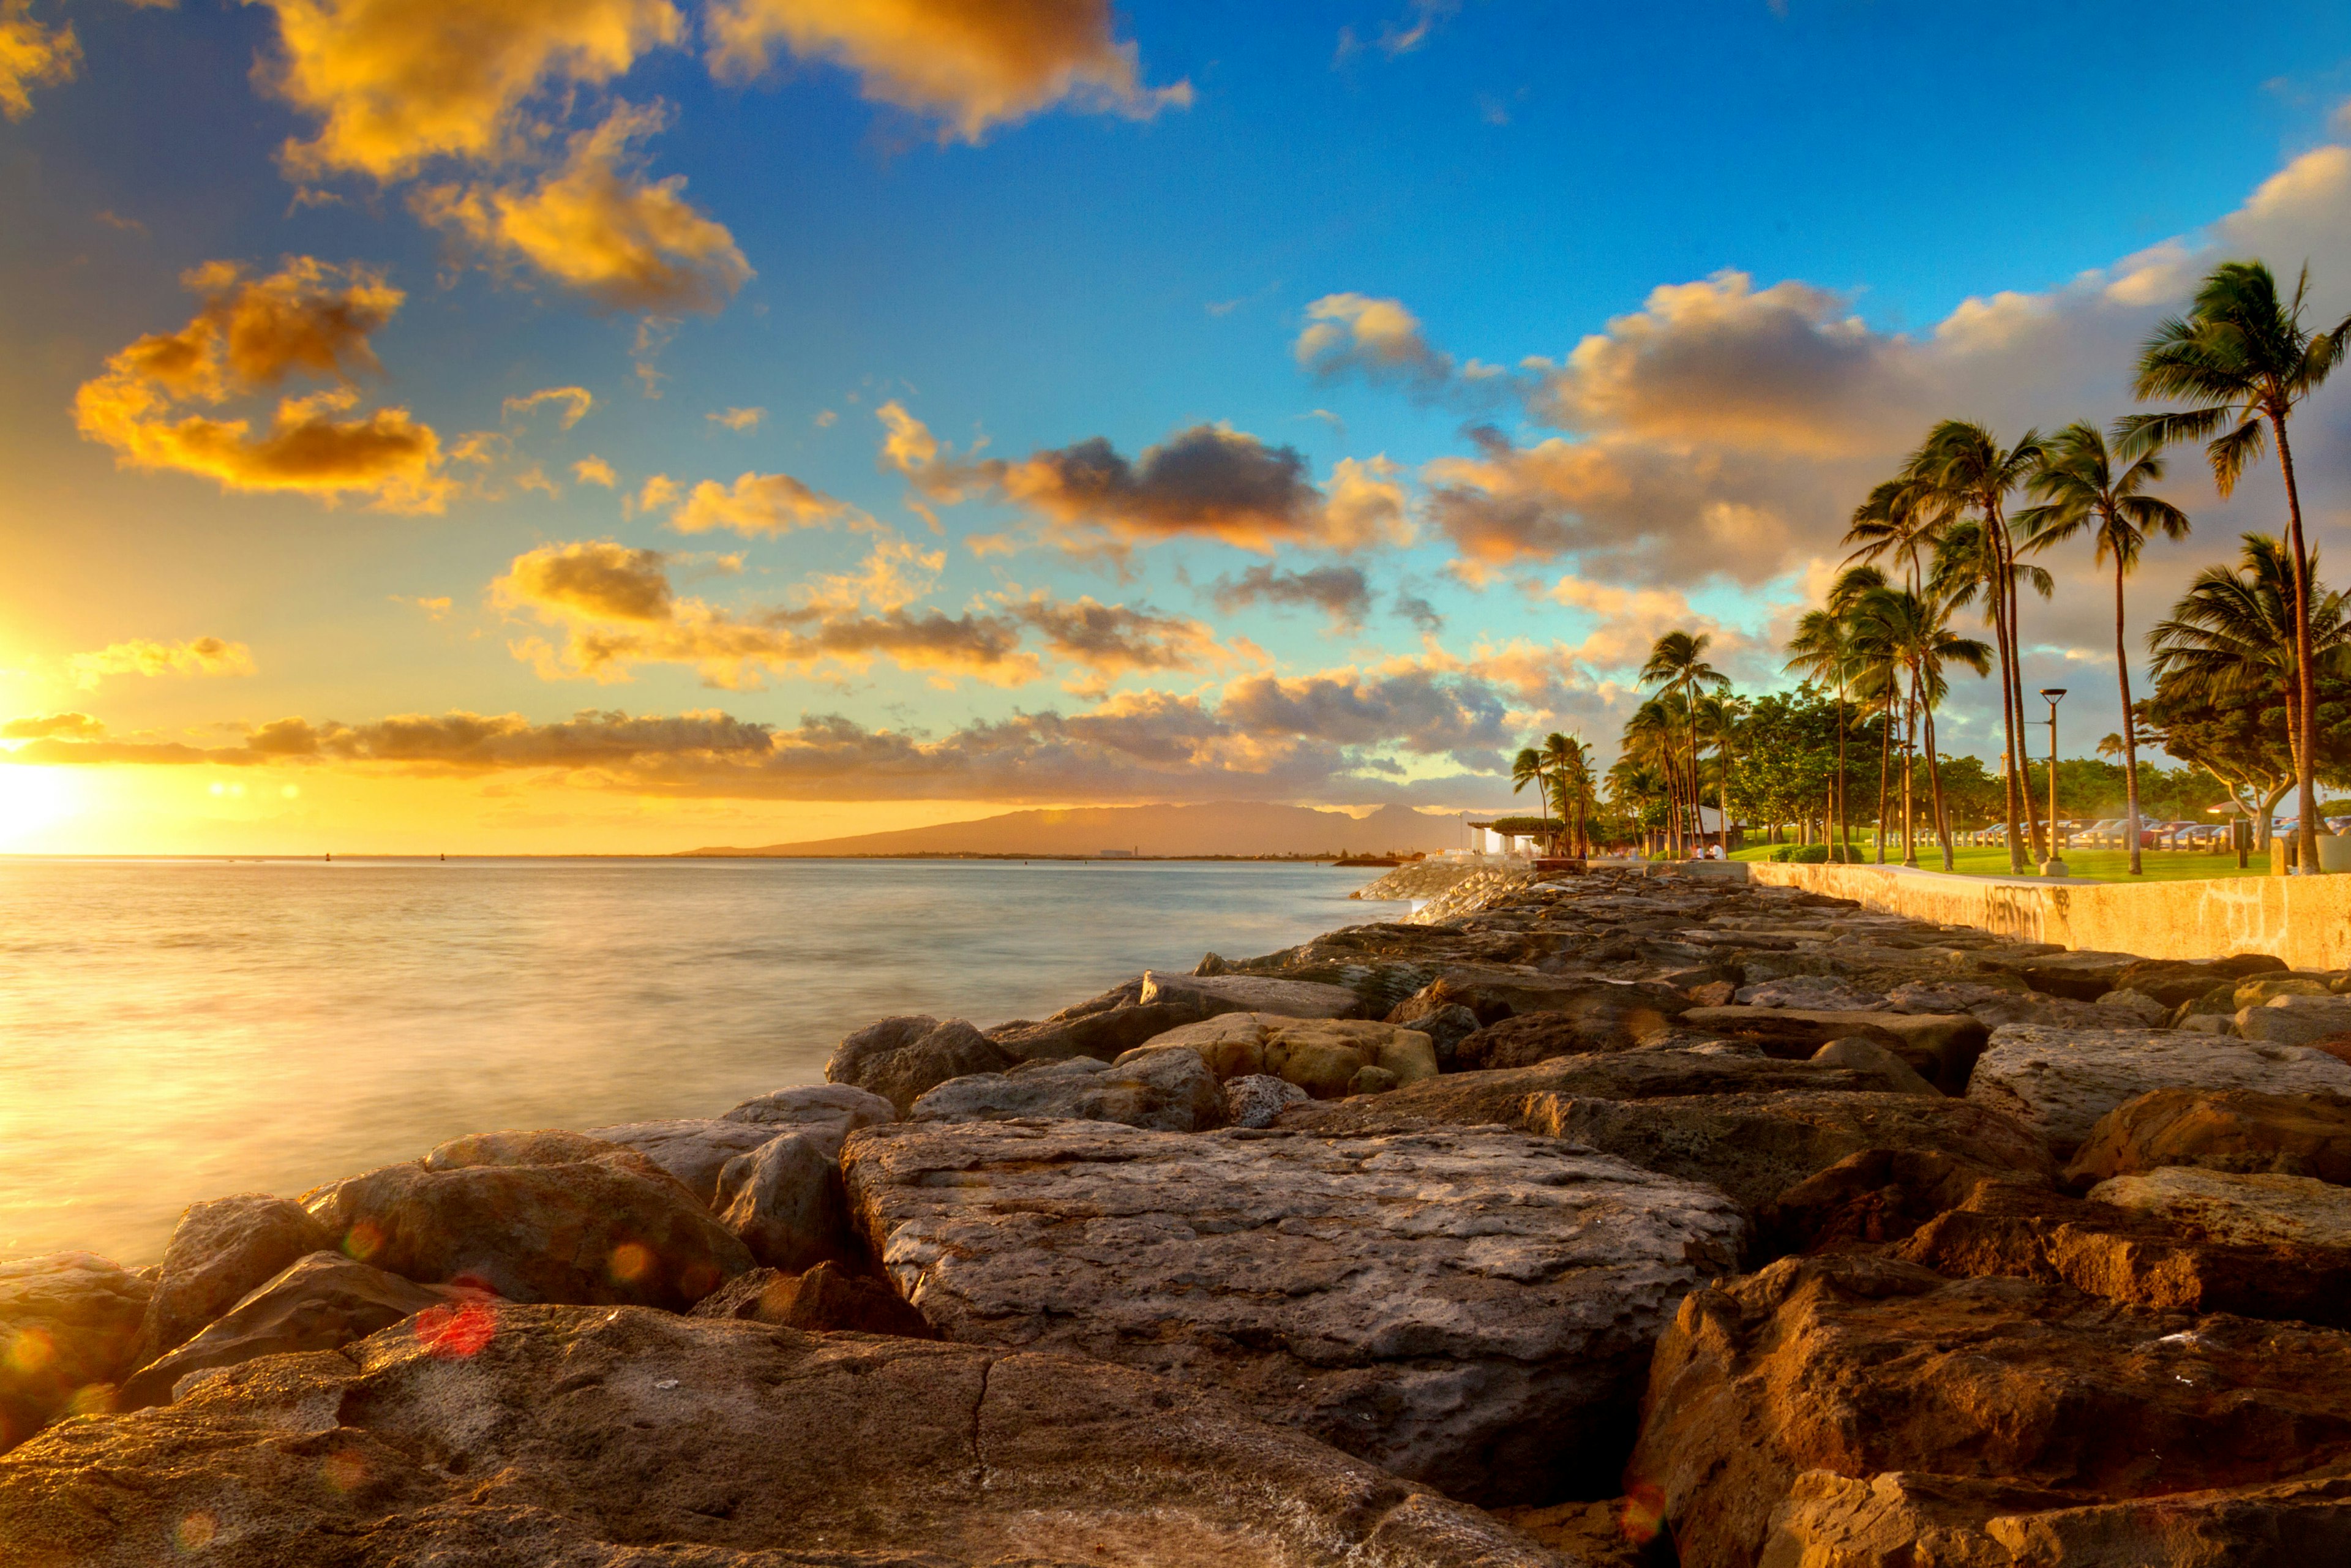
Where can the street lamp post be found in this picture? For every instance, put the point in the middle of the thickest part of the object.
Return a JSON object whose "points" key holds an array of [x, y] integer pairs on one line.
{"points": [[2055, 864]]}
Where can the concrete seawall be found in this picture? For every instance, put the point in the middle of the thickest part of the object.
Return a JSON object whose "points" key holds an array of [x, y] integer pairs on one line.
{"points": [[2304, 920]]}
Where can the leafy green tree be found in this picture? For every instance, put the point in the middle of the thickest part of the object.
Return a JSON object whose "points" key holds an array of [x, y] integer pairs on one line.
{"points": [[2242, 355]]}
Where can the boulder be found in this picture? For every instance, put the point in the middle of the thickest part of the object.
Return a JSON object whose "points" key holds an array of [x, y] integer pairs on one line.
{"points": [[1250, 994], [2256, 1209], [535, 1147], [322, 1301], [1996, 999], [2084, 977], [899, 1058], [220, 1250], [597, 1435], [69, 1323], [1941, 1048], [812, 1106], [1811, 993], [1321, 1056], [1879, 1195], [2295, 1019], [612, 1227], [2061, 1081], [1611, 1010], [1255, 1100], [2174, 981], [1867, 1056], [1755, 1146], [1611, 1532], [2127, 1009], [825, 1299], [783, 1200], [1166, 1091], [693, 1151], [1470, 1308], [2263, 989], [2222, 1130], [1447, 1024], [1861, 1366], [1529, 1038]]}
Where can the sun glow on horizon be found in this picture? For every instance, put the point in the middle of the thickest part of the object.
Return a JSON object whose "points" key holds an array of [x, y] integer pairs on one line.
{"points": [[34, 799]]}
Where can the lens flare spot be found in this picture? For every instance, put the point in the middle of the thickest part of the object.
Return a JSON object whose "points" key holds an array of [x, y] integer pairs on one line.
{"points": [[455, 1334], [1644, 1513], [631, 1262], [697, 1280], [344, 1470], [30, 1352], [195, 1530], [362, 1241], [91, 1399]]}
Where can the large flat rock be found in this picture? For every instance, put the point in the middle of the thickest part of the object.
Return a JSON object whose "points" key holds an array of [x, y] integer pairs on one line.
{"points": [[603, 1438], [2222, 1130], [1469, 1308], [2061, 1081], [2262, 1210], [1167, 1092]]}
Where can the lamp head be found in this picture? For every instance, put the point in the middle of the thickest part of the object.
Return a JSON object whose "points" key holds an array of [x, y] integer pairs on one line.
{"points": [[2052, 693]]}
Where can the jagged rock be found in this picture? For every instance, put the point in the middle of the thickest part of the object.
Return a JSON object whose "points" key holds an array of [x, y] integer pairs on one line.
{"points": [[2132, 1009], [900, 1058], [2222, 1130], [68, 1322], [1996, 999], [2294, 1018], [1879, 1195], [825, 1299], [220, 1250], [1861, 1366], [1610, 1015], [1467, 1307], [1755, 1146], [1901, 1520], [1257, 1098], [783, 1200], [1166, 1091], [1250, 994], [1321, 1056], [1613, 1532], [2263, 989], [1941, 1048], [1104, 1027], [321, 1302], [609, 1228], [580, 1436], [2256, 1209], [693, 1151], [812, 1106], [2061, 1081], [1867, 1056]]}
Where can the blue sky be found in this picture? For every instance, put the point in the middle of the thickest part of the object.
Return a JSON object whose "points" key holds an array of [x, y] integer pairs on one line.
{"points": [[1822, 190]]}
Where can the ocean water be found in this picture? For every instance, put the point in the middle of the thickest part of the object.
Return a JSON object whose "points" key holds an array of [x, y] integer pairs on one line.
{"points": [[171, 1030]]}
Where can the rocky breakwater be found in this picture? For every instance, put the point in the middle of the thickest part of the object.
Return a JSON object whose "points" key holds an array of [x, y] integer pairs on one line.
{"points": [[1616, 1219]]}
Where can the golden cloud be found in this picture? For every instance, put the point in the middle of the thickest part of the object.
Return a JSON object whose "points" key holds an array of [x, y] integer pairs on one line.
{"points": [[593, 470], [397, 83], [249, 336], [1379, 338], [597, 580], [595, 224], [53, 726], [575, 402], [968, 64], [756, 506], [739, 420], [32, 56], [197, 657]]}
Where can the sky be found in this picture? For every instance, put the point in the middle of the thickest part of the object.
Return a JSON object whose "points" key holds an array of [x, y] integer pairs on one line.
{"points": [[569, 426]]}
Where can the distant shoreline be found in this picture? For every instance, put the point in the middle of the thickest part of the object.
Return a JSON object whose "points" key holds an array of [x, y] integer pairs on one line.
{"points": [[340, 858]]}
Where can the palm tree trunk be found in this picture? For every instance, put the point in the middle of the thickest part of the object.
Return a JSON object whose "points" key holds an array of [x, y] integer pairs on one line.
{"points": [[1723, 794], [1884, 757], [1697, 782], [2032, 823], [2306, 673], [2130, 734], [2008, 682], [1935, 781], [1909, 778], [1844, 822]]}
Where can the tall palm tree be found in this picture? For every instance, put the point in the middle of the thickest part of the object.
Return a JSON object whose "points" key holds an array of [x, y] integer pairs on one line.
{"points": [[1677, 662], [1528, 767], [2243, 356], [1911, 633], [1963, 469], [1650, 742], [1974, 559], [2081, 490], [1822, 651], [1571, 772], [2233, 636], [1719, 715]]}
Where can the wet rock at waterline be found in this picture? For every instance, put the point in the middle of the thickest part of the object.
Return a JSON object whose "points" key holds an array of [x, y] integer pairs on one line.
{"points": [[1470, 1308], [69, 1325], [827, 1299], [901, 1059], [1166, 1091], [607, 1436], [219, 1251]]}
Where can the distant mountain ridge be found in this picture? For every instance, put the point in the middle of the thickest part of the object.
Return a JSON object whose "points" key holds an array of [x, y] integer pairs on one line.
{"points": [[1231, 828]]}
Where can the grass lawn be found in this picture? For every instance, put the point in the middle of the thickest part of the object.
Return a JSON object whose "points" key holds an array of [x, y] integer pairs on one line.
{"points": [[2105, 865]]}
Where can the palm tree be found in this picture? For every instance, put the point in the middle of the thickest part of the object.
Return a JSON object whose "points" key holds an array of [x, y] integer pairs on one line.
{"points": [[1822, 651], [1973, 559], [1571, 770], [1719, 715], [2081, 490], [1652, 738], [1963, 469], [1528, 767], [2233, 635], [1677, 662], [1911, 633], [2243, 356]]}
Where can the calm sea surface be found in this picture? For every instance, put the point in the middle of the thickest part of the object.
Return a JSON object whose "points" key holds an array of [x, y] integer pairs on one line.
{"points": [[174, 1030]]}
